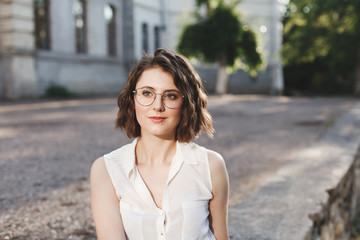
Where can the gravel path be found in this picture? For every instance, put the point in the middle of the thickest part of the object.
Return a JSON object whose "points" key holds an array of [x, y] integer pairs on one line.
{"points": [[47, 149]]}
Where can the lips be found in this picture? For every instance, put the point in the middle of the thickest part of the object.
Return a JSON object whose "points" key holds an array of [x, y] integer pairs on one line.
{"points": [[157, 119]]}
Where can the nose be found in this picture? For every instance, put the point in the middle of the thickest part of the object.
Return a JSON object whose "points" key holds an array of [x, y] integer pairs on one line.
{"points": [[158, 104]]}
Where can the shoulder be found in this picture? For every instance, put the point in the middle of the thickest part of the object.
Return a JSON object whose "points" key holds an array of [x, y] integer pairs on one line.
{"points": [[219, 175], [216, 161], [98, 168], [100, 178], [123, 152]]}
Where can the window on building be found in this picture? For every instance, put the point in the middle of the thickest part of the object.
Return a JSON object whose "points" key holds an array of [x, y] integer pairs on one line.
{"points": [[110, 18], [42, 30], [156, 37], [79, 11], [145, 38]]}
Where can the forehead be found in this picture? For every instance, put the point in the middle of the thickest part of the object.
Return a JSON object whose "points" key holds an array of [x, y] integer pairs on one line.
{"points": [[156, 78]]}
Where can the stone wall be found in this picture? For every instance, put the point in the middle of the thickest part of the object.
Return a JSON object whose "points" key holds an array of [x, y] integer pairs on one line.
{"points": [[90, 73], [26, 71], [336, 218], [17, 74]]}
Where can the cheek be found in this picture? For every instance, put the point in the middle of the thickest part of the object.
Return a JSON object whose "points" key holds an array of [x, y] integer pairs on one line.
{"points": [[177, 115], [139, 111]]}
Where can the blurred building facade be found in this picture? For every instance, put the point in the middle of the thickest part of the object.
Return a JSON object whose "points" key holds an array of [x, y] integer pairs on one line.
{"points": [[88, 46]]}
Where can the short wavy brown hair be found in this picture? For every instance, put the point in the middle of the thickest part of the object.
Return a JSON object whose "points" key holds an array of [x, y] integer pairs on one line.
{"points": [[195, 116]]}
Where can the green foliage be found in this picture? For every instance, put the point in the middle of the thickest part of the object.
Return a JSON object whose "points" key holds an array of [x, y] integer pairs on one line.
{"points": [[220, 34], [57, 91], [326, 34]]}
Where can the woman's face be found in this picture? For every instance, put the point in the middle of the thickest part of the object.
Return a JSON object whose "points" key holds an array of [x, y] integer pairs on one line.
{"points": [[157, 119]]}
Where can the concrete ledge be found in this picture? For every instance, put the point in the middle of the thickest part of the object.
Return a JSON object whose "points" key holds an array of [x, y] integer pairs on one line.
{"points": [[280, 207], [335, 221]]}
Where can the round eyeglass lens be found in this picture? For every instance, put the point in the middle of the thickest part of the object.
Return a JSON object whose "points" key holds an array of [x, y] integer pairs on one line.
{"points": [[172, 99], [145, 96]]}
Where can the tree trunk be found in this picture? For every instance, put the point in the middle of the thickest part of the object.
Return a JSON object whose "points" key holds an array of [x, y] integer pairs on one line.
{"points": [[357, 79], [222, 77], [357, 70]]}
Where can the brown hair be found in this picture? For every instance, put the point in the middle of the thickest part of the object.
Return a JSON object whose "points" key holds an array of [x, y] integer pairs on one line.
{"points": [[195, 116]]}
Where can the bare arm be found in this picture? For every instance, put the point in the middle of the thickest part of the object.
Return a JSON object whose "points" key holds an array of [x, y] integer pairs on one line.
{"points": [[219, 203], [105, 204]]}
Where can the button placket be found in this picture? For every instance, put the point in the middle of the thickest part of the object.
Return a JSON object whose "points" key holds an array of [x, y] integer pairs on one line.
{"points": [[174, 168], [161, 224], [162, 217]]}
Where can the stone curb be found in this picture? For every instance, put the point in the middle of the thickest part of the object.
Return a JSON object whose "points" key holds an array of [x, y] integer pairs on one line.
{"points": [[279, 208]]}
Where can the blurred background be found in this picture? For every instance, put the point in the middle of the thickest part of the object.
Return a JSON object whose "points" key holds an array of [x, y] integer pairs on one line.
{"points": [[302, 47], [281, 75], [88, 47]]}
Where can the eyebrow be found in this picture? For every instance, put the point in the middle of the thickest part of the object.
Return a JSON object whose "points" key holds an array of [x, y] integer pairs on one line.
{"points": [[167, 90]]}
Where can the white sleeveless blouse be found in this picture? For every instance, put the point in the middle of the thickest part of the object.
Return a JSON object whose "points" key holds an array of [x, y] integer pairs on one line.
{"points": [[185, 206]]}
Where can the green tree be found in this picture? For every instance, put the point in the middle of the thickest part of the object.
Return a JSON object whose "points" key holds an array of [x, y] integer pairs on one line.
{"points": [[220, 36], [325, 33]]}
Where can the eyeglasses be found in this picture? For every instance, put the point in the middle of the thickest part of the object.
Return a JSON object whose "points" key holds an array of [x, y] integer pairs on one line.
{"points": [[146, 96]]}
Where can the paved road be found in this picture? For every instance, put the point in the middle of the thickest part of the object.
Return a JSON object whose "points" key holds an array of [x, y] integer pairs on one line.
{"points": [[47, 149]]}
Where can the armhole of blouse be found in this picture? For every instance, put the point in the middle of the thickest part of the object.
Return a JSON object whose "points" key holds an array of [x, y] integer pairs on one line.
{"points": [[111, 174], [208, 168]]}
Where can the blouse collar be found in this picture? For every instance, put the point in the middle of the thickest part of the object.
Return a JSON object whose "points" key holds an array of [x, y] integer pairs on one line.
{"points": [[184, 154]]}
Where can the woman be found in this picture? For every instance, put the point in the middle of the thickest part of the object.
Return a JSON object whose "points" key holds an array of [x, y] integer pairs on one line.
{"points": [[161, 186]]}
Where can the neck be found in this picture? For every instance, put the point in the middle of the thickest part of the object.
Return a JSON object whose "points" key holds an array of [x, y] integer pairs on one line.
{"points": [[152, 150]]}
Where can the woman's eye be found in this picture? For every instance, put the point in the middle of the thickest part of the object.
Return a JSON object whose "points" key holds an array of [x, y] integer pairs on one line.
{"points": [[172, 96], [147, 93]]}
